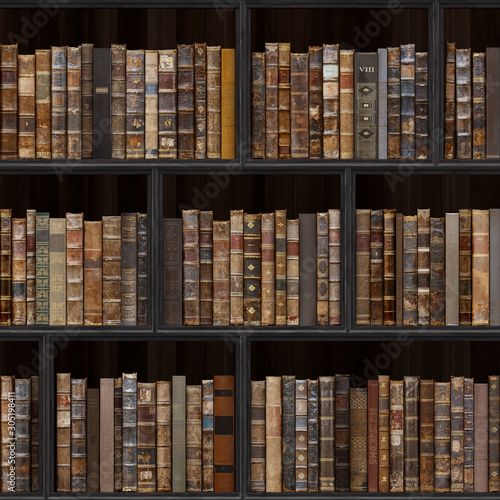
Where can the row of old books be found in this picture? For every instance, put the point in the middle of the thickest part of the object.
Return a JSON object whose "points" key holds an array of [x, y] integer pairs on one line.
{"points": [[331, 103], [67, 271], [422, 270], [254, 269], [81, 102], [145, 437], [406, 435], [20, 426]]}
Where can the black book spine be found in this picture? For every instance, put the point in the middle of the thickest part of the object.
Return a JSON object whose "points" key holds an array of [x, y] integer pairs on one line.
{"points": [[288, 432]]}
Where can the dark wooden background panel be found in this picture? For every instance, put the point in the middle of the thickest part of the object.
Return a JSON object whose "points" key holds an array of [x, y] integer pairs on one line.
{"points": [[20, 358]]}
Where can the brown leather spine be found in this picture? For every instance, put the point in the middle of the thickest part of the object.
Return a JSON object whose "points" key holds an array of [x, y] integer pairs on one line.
{"points": [[63, 430], [146, 438], [207, 410], [8, 433], [142, 269], [35, 433], [479, 105], [94, 443], [396, 450], [258, 105], [427, 436], [326, 434], [191, 266], [411, 434], [258, 437], [399, 269], [442, 437], [111, 270], [389, 239], [449, 110], [206, 267], [74, 117], [358, 439], [26, 106], [163, 436], [252, 270], [410, 270], [92, 274], [267, 250], [299, 104], [8, 102], [463, 103], [468, 435], [393, 103], [322, 270], [373, 438], [78, 435], [87, 99], [315, 102], [43, 104], [284, 100], [118, 429], [236, 267], [377, 267], [118, 100], [480, 267], [74, 269], [214, 124], [465, 266], [481, 438], [221, 270], [185, 102], [312, 436], [151, 104], [271, 101], [331, 137], [300, 436], [292, 272], [135, 104], [423, 265], [280, 266], [437, 270], [273, 434], [59, 102], [30, 267], [457, 434], [200, 100], [362, 267], [167, 103], [421, 106], [383, 432], [334, 291], [228, 112], [342, 452], [288, 432], [493, 432], [6, 267], [19, 271], [346, 103], [105, 424]]}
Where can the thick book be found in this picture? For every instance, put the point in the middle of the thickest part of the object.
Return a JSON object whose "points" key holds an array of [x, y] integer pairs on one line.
{"points": [[194, 464], [427, 436], [26, 106], [399, 269], [8, 397], [301, 435], [292, 272], [142, 269], [92, 273], [480, 268], [191, 267], [135, 104], [421, 106], [59, 102], [258, 105], [373, 435], [163, 436], [271, 120], [493, 432], [481, 438], [106, 430], [457, 434], [23, 435], [43, 108], [151, 104], [63, 430], [284, 90], [280, 267], [273, 445], [258, 436], [393, 103], [299, 104], [408, 101], [74, 269], [200, 100], [111, 270], [78, 435], [423, 266], [312, 436], [410, 269], [322, 269], [442, 429], [236, 266], [358, 439], [172, 272], [389, 266], [396, 433], [449, 109], [178, 433], [221, 273], [6, 265], [383, 432], [377, 267], [437, 271], [8, 102], [307, 270], [118, 434], [382, 104], [146, 439], [411, 434], [167, 103], [452, 268], [18, 271], [494, 267], [288, 432], [468, 435], [57, 271], [268, 256], [129, 436], [102, 103], [129, 269], [342, 442], [42, 268], [465, 266], [207, 411], [252, 272], [315, 102], [326, 434], [363, 296], [214, 55], [87, 103], [334, 288], [493, 103], [74, 116], [346, 103], [228, 117], [94, 442], [30, 267], [331, 95], [463, 103], [118, 105], [207, 263]]}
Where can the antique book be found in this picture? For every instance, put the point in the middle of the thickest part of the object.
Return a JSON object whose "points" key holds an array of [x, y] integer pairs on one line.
{"points": [[267, 251], [481, 438], [258, 105], [74, 116], [118, 434], [118, 96], [8, 102], [167, 103], [18, 271], [43, 109], [382, 104], [307, 270], [346, 103], [315, 102], [57, 271], [312, 436], [26, 106], [135, 105], [236, 266], [376, 267], [331, 96], [280, 267], [363, 267], [8, 398], [146, 439], [92, 273], [383, 432], [408, 101], [35, 432], [151, 104], [463, 103], [42, 268], [372, 436], [228, 119], [111, 270], [58, 102], [452, 268], [410, 290], [163, 436], [479, 105], [179, 433], [421, 105], [300, 436], [299, 104], [74, 269], [172, 272], [437, 272], [480, 268], [129, 269], [6, 266], [326, 434], [358, 439], [393, 103], [258, 436], [334, 287], [207, 409], [252, 301], [102, 110], [63, 414], [493, 103], [342, 441], [494, 267], [423, 265], [284, 91], [105, 425], [396, 433], [411, 434], [206, 263], [191, 266], [468, 435], [442, 464], [493, 432], [389, 268], [221, 274], [399, 269], [142, 269], [129, 436], [457, 434], [292, 272], [214, 103], [224, 433], [288, 432], [273, 445], [87, 103], [449, 109], [427, 436], [200, 100], [94, 443], [465, 266], [322, 269], [23, 435], [271, 65], [78, 435], [30, 267]]}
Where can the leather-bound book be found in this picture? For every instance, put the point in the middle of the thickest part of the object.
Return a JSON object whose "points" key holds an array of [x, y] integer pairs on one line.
{"points": [[273, 444], [365, 116], [118, 106], [480, 268], [19, 271], [423, 266], [271, 101], [185, 101], [207, 410], [8, 102], [410, 249], [63, 442], [372, 436], [399, 269], [200, 100], [427, 436], [206, 267], [322, 269], [74, 117], [396, 433], [129, 269], [376, 267], [118, 430], [23, 435], [26, 106], [224, 433], [307, 270], [43, 108], [59, 102], [481, 438], [8, 439], [449, 109], [346, 92], [135, 104], [236, 266], [393, 103], [258, 105], [411, 434], [151, 104], [214, 103], [6, 267], [493, 431], [87, 99], [57, 271], [129, 436], [179, 433], [494, 267], [463, 103], [299, 104], [437, 283], [95, 444], [452, 268], [78, 435], [288, 432], [331, 95], [382, 104], [292, 272], [363, 296], [492, 103], [326, 434], [284, 100], [42, 269], [421, 105], [221, 274], [342, 439], [267, 249], [74, 269], [142, 269], [315, 102], [334, 235], [389, 266], [408, 101], [191, 266], [442, 450], [383, 432], [92, 273], [172, 272], [300, 436], [106, 443], [163, 436], [146, 437], [465, 266], [359, 439], [35, 433], [228, 119], [468, 435], [280, 267], [457, 434], [167, 103], [252, 270], [111, 270], [312, 436], [258, 437]]}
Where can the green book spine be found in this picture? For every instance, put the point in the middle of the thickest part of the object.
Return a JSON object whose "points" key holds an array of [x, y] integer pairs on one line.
{"points": [[57, 268], [179, 433], [42, 268]]}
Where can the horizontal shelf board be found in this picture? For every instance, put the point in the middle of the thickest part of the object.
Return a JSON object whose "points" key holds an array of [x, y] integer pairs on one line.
{"points": [[168, 4], [465, 333], [367, 496], [337, 4], [74, 333], [145, 496]]}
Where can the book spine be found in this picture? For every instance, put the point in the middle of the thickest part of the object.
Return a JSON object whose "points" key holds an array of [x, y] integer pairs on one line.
{"points": [[151, 104], [111, 270], [481, 438], [307, 270], [437, 284], [358, 439], [221, 271], [172, 272], [26, 106], [312, 436], [87, 99], [228, 120], [393, 102], [465, 266], [421, 105], [8, 398], [35, 433], [63, 413], [377, 267], [423, 266], [442, 446], [102, 137], [57, 271], [480, 267], [389, 266], [427, 436], [19, 271], [206, 268], [191, 266], [135, 104], [382, 104], [74, 116], [280, 267], [410, 314], [301, 436], [284, 91], [42, 268], [6, 267], [59, 102], [468, 435], [463, 103], [258, 105], [479, 105], [396, 448], [142, 269], [105, 445], [383, 432], [214, 104], [334, 289], [252, 302], [23, 435], [167, 103], [493, 431], [164, 436], [363, 268], [299, 104], [267, 249], [331, 95], [292, 272], [208, 435], [78, 435], [408, 101], [8, 102], [288, 432], [452, 269], [129, 436], [43, 103], [200, 100], [118, 430], [129, 269], [146, 439], [315, 102], [273, 434], [411, 434], [322, 269], [258, 436], [342, 441], [236, 266], [92, 273], [74, 269], [457, 434], [96, 445], [493, 102], [118, 100], [271, 101], [399, 269], [179, 433], [346, 98], [449, 109], [326, 434], [30, 267]]}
